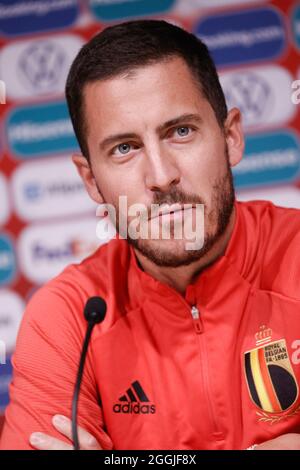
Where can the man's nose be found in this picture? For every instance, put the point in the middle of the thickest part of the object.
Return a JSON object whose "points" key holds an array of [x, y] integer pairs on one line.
{"points": [[161, 171]]}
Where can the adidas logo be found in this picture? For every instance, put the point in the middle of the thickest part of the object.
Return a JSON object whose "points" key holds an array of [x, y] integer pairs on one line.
{"points": [[134, 401]]}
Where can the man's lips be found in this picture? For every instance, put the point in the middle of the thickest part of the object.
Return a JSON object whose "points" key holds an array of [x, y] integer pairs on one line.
{"points": [[172, 210]]}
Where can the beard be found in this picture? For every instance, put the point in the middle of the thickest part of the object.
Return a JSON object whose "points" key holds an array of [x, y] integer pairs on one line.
{"points": [[166, 254], [172, 253]]}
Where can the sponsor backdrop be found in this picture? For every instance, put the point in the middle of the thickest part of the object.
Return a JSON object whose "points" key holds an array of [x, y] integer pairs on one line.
{"points": [[46, 219]]}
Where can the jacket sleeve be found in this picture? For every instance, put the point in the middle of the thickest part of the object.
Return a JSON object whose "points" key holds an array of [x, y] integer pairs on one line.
{"points": [[44, 372]]}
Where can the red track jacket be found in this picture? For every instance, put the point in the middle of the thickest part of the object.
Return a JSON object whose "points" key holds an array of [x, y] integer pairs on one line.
{"points": [[216, 369]]}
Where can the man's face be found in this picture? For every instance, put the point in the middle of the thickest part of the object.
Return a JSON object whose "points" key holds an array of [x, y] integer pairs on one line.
{"points": [[154, 138]]}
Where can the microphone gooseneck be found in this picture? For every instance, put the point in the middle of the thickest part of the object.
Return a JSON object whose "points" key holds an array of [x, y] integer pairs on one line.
{"points": [[94, 312]]}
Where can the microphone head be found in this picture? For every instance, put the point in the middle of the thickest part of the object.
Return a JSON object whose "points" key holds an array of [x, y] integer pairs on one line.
{"points": [[95, 310]]}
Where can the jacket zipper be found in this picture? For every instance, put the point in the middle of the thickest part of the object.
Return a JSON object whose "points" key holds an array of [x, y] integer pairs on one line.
{"points": [[198, 326], [196, 320], [199, 329]]}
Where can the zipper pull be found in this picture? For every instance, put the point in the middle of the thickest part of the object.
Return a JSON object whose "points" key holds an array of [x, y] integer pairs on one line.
{"points": [[196, 320]]}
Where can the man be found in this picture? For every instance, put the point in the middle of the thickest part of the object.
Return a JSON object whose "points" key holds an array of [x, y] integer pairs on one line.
{"points": [[199, 349]]}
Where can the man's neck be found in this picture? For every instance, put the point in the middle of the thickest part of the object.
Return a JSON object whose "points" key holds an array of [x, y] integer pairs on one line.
{"points": [[179, 278]]}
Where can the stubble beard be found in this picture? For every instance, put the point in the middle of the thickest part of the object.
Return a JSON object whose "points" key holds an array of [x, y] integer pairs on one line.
{"points": [[166, 254]]}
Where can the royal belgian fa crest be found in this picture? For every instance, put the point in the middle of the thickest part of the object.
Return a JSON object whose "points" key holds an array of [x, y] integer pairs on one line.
{"points": [[270, 378]]}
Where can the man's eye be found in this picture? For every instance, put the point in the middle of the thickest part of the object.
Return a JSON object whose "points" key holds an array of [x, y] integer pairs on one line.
{"points": [[183, 131], [123, 148]]}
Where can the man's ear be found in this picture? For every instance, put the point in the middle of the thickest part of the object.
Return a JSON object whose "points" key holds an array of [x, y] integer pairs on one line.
{"points": [[234, 136], [85, 171]]}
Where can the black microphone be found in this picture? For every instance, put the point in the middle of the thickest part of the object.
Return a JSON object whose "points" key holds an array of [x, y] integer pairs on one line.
{"points": [[94, 312]]}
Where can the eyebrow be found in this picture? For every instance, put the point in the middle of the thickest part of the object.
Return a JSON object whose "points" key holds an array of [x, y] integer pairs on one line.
{"points": [[130, 135]]}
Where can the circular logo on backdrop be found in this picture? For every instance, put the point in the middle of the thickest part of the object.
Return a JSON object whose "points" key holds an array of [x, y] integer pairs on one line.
{"points": [[261, 93], [41, 64], [33, 68], [7, 260]]}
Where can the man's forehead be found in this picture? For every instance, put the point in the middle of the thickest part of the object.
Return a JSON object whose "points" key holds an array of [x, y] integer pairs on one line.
{"points": [[116, 105], [173, 69]]}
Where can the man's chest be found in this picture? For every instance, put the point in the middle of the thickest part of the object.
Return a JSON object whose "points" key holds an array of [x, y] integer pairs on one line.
{"points": [[165, 385]]}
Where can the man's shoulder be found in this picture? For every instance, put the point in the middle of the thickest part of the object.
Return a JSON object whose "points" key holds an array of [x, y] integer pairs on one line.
{"points": [[278, 251], [62, 299], [282, 226], [94, 273], [273, 223], [263, 209]]}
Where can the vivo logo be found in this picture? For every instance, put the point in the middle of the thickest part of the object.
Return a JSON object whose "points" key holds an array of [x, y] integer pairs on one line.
{"points": [[49, 188]]}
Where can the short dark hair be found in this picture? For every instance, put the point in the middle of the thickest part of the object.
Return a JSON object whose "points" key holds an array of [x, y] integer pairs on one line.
{"points": [[124, 47]]}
